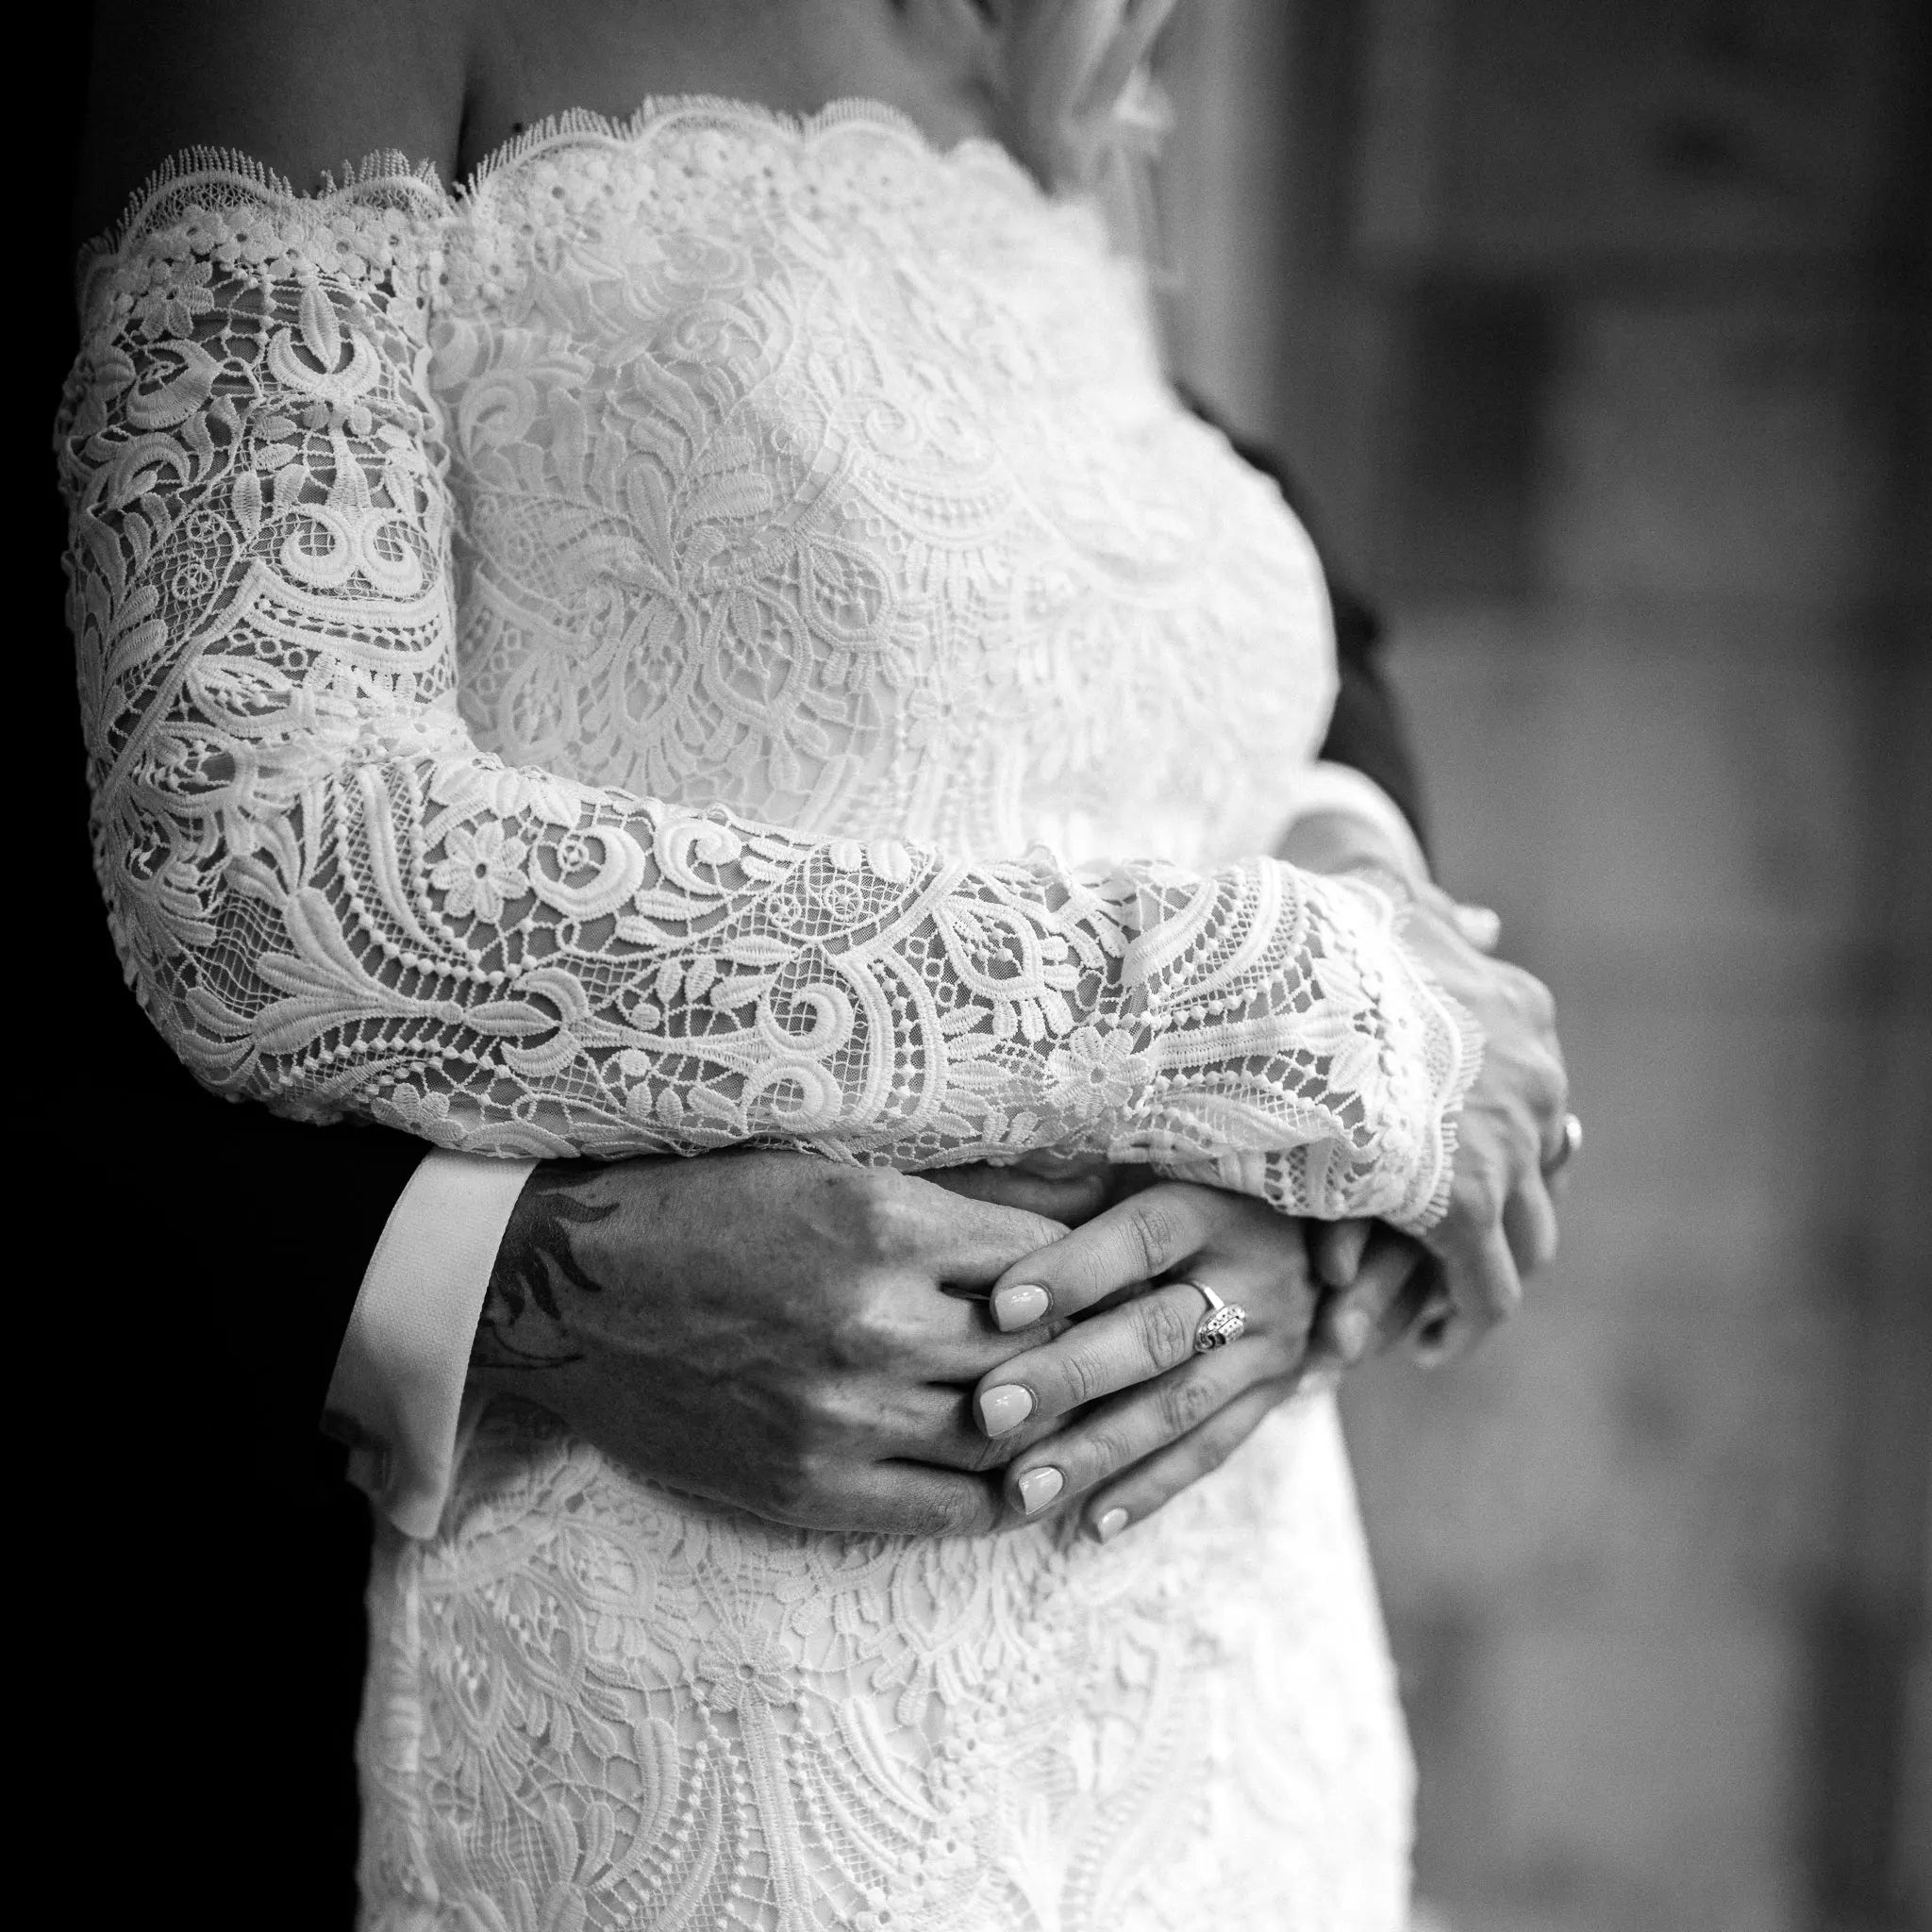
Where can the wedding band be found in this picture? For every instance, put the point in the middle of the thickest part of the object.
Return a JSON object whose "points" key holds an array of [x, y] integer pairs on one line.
{"points": [[1572, 1141], [1224, 1321]]}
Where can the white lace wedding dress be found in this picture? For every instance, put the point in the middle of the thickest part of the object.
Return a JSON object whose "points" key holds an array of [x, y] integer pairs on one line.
{"points": [[606, 663]]}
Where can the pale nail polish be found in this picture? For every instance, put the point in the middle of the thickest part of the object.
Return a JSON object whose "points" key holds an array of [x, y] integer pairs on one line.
{"points": [[1005, 1407], [1020, 1306], [1110, 1525], [1038, 1486], [1352, 1332]]}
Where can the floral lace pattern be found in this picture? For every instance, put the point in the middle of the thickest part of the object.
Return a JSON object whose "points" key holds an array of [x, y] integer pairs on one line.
{"points": [[597, 665], [597, 1704], [766, 492]]}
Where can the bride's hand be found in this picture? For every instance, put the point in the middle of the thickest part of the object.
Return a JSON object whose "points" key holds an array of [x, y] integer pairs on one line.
{"points": [[1148, 1415]]}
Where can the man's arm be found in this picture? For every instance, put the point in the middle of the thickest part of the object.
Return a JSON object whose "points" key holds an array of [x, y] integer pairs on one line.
{"points": [[197, 1207]]}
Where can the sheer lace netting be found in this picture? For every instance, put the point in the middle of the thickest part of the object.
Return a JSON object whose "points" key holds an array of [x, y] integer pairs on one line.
{"points": [[331, 899]]}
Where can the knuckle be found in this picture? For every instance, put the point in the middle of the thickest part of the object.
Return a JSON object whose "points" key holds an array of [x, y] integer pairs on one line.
{"points": [[1164, 1331], [1186, 1402], [875, 1207], [1477, 1196], [1082, 1379], [1550, 1082], [1107, 1448], [867, 1334], [1155, 1230], [821, 1423], [945, 1515], [794, 1483]]}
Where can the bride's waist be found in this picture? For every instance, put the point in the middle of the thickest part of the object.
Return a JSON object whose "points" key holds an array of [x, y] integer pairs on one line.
{"points": [[524, 1476]]}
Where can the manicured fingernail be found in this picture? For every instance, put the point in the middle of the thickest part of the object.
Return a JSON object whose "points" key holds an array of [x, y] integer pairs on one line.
{"points": [[1352, 1330], [1005, 1407], [1038, 1486], [1110, 1525], [1020, 1306]]}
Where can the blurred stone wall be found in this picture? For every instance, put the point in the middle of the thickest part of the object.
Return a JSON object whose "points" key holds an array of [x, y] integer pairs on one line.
{"points": [[1600, 336]]}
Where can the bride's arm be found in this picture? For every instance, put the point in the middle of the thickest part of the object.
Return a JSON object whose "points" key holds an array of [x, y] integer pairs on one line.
{"points": [[331, 901]]}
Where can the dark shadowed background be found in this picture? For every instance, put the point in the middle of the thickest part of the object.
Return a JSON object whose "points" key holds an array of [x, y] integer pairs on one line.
{"points": [[1599, 336]]}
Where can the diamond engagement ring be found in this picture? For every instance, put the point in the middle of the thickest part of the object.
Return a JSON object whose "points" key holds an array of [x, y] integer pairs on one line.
{"points": [[1223, 1323]]}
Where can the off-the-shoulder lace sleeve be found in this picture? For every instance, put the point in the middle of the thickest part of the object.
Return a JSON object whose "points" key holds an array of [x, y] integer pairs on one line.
{"points": [[330, 900]]}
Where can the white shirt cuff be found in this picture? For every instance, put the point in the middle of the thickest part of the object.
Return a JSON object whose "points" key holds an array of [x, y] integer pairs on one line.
{"points": [[1326, 787], [399, 1377]]}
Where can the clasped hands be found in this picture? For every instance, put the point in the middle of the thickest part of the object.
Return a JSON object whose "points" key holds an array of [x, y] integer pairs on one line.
{"points": [[856, 1349]]}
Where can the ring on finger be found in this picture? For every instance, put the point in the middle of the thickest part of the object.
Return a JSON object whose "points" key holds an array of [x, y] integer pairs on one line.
{"points": [[1225, 1321]]}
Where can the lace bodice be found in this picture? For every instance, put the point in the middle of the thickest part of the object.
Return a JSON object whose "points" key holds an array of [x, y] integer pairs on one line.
{"points": [[605, 663]]}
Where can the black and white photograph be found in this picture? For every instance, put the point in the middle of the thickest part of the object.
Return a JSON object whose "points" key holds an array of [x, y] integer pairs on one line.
{"points": [[982, 965]]}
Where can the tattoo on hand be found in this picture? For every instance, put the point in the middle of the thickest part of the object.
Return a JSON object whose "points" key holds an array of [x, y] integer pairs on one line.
{"points": [[522, 1325]]}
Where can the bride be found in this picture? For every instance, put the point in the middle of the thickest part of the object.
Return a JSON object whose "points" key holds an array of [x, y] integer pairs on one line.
{"points": [[717, 633]]}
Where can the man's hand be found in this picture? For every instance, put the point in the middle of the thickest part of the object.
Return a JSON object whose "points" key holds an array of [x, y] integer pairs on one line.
{"points": [[1501, 1223], [772, 1330]]}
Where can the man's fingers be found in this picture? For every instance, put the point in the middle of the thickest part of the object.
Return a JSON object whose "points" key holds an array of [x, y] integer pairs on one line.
{"points": [[1337, 1247], [909, 1499], [1424, 1299], [944, 1426], [947, 1341], [967, 1242], [1070, 1198], [1136, 1240], [1529, 1221], [1355, 1321], [1484, 1289]]}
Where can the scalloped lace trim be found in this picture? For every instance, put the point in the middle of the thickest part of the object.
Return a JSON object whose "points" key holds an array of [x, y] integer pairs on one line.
{"points": [[385, 167]]}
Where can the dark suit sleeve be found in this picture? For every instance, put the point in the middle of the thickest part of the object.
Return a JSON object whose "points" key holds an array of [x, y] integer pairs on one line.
{"points": [[199, 1261], [260, 1229], [234, 1242], [1366, 729]]}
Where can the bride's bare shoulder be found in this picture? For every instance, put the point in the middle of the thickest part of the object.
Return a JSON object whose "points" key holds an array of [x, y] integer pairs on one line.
{"points": [[299, 87]]}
